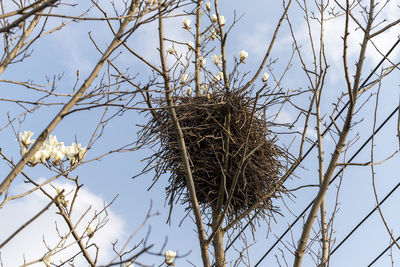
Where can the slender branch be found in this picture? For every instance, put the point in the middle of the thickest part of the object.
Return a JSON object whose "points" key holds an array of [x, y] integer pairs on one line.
{"points": [[373, 171], [318, 96], [182, 146], [198, 48], [339, 147], [384, 29], [56, 120], [324, 233], [20, 11], [27, 15], [249, 83], [30, 220], [21, 42]]}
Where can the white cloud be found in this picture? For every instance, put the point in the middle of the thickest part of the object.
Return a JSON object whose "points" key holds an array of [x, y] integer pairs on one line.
{"points": [[29, 243], [333, 39]]}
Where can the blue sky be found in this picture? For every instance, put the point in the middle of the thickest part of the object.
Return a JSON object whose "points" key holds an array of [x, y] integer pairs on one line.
{"points": [[66, 51]]}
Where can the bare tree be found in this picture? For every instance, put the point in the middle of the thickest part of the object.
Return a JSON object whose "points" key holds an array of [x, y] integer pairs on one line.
{"points": [[228, 154], [23, 25]]}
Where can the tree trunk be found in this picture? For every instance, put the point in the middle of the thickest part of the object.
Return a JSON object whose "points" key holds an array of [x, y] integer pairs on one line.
{"points": [[218, 240]]}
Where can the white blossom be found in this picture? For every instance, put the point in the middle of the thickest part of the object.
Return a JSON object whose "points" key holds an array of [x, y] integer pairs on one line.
{"points": [[169, 256], [53, 141], [186, 23], [61, 198], [75, 153], [90, 231], [265, 77], [184, 78], [60, 147], [213, 35], [45, 146], [217, 60], [203, 89], [129, 264], [202, 61], [23, 150], [45, 154], [57, 155], [171, 50], [243, 55], [25, 138], [82, 152], [208, 6], [51, 149], [189, 91], [222, 20], [35, 158], [79, 150], [69, 153], [218, 77], [190, 45]]}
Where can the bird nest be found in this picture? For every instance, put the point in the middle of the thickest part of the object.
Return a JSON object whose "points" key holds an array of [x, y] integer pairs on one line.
{"points": [[250, 153]]}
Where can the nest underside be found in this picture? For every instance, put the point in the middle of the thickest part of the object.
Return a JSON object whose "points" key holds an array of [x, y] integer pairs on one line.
{"points": [[251, 153]]}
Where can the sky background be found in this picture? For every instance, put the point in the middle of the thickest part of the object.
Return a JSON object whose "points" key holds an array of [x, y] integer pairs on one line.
{"points": [[64, 52]]}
